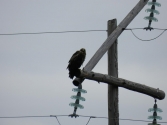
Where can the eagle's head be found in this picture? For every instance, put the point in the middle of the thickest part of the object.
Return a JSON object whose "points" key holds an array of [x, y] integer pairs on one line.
{"points": [[83, 50]]}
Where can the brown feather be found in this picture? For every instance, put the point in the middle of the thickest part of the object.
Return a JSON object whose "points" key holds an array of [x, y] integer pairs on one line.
{"points": [[76, 61]]}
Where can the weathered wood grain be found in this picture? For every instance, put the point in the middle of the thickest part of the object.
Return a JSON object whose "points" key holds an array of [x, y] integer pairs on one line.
{"points": [[113, 108], [141, 88]]}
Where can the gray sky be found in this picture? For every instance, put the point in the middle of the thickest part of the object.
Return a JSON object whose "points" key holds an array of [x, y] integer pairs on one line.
{"points": [[33, 76]]}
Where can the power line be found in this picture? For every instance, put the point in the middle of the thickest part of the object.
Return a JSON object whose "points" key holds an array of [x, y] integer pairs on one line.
{"points": [[88, 121], [58, 120], [25, 117], [139, 120], [78, 115], [159, 29], [148, 39], [79, 31], [92, 116], [132, 28], [143, 29]]}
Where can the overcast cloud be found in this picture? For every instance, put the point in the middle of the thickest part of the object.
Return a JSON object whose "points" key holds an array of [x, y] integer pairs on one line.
{"points": [[33, 76]]}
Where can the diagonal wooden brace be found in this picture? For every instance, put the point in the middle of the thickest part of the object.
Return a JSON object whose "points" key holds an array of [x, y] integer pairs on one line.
{"points": [[111, 39]]}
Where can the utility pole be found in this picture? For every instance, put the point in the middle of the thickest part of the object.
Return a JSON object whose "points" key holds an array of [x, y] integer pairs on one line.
{"points": [[110, 45], [113, 107]]}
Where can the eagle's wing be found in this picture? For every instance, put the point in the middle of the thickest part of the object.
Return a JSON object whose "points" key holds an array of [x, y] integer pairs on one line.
{"points": [[74, 56], [75, 62]]}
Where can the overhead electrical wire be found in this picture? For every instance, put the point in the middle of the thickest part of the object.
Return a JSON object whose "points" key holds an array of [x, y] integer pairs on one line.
{"points": [[24, 117], [82, 31], [70, 31], [56, 116], [143, 29], [88, 121], [79, 31], [148, 39], [58, 120]]}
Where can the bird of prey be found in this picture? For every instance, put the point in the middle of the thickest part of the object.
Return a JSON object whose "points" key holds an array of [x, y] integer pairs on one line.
{"points": [[76, 61]]}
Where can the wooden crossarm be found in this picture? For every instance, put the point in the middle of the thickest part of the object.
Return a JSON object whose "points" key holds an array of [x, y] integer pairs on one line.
{"points": [[141, 88]]}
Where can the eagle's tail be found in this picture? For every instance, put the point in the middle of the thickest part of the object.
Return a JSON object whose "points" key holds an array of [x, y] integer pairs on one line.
{"points": [[73, 73]]}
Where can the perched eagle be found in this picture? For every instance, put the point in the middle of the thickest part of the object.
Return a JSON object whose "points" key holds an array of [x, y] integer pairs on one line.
{"points": [[76, 61]]}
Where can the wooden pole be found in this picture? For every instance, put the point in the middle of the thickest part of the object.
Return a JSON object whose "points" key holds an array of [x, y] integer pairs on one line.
{"points": [[111, 39], [137, 87], [113, 109]]}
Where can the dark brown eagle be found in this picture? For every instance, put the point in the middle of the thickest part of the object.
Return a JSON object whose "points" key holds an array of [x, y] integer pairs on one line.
{"points": [[76, 61]]}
